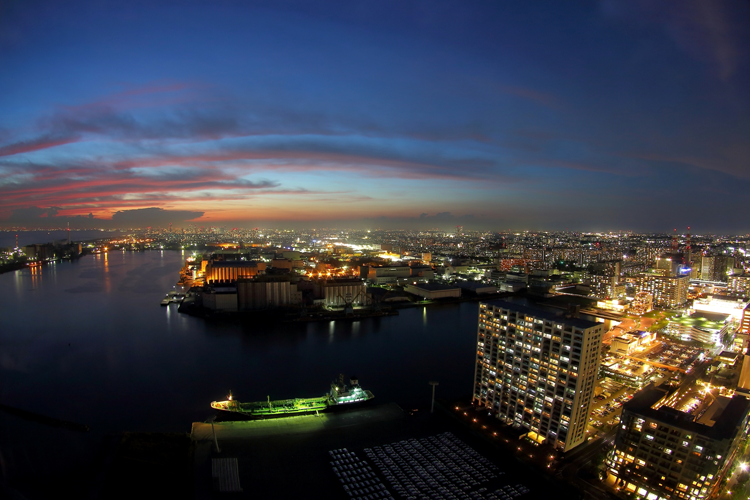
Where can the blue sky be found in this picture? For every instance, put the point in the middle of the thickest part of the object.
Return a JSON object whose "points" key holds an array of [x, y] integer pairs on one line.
{"points": [[608, 115]]}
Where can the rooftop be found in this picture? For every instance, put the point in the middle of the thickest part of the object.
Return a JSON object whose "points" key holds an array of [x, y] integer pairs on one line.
{"points": [[725, 424], [542, 313], [434, 286]]}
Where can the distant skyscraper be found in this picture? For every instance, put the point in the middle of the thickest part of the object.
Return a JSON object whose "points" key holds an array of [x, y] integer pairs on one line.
{"points": [[537, 368]]}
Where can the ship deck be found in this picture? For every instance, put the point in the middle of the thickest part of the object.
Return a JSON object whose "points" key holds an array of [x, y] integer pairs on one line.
{"points": [[262, 407]]}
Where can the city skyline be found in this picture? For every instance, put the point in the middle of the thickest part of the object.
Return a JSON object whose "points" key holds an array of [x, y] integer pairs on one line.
{"points": [[604, 116]]}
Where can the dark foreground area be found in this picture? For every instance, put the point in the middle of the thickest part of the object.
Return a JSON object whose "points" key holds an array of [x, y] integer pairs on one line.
{"points": [[150, 465], [378, 451], [297, 457]]}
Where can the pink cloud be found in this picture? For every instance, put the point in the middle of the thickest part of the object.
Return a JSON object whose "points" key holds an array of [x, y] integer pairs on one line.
{"points": [[37, 144]]}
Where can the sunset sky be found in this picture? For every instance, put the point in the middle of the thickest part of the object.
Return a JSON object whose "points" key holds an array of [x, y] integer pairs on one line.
{"points": [[617, 114]]}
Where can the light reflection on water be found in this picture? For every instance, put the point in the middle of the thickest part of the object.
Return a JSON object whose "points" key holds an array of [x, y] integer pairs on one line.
{"points": [[124, 345], [90, 341]]}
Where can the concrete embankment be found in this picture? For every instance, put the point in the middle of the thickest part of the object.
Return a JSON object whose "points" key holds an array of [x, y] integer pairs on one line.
{"points": [[42, 419]]}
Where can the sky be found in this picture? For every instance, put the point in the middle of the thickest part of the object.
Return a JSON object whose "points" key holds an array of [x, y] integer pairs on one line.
{"points": [[494, 115]]}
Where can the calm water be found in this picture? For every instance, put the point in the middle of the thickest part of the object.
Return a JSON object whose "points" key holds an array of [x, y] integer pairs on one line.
{"points": [[88, 342]]}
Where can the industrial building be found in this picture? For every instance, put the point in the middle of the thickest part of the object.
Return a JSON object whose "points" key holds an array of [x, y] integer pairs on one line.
{"points": [[433, 291], [266, 294], [340, 292], [231, 270]]}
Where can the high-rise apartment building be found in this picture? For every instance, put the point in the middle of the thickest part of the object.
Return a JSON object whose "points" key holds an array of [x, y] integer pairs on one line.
{"points": [[664, 453], [745, 321], [604, 286], [671, 263], [714, 267], [739, 285], [667, 291], [536, 368]]}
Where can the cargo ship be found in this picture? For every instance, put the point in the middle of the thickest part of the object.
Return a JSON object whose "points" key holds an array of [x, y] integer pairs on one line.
{"points": [[341, 395]]}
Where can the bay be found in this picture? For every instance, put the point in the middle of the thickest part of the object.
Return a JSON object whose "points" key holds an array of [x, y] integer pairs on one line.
{"points": [[87, 341]]}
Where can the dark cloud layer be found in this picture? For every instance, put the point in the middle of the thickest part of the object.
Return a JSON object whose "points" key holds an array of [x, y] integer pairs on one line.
{"points": [[152, 217], [136, 218], [606, 114]]}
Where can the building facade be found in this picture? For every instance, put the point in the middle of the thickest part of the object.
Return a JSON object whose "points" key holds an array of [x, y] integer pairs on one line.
{"points": [[232, 270], [662, 453], [739, 285], [642, 303], [433, 291], [537, 368], [667, 291], [604, 286], [340, 292], [256, 295], [714, 267]]}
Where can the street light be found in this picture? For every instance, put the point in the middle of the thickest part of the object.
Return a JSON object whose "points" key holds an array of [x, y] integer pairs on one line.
{"points": [[433, 384], [214, 433]]}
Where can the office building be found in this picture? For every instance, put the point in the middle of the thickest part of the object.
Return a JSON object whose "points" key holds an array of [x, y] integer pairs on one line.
{"points": [[663, 453], [536, 368]]}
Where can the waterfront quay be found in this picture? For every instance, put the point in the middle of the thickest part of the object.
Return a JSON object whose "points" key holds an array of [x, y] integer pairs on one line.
{"points": [[292, 458]]}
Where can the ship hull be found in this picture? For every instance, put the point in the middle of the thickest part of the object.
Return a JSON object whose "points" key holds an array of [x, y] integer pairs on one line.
{"points": [[272, 409], [340, 398], [242, 415]]}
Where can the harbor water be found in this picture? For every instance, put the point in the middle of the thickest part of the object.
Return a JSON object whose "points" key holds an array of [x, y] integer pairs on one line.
{"points": [[88, 342]]}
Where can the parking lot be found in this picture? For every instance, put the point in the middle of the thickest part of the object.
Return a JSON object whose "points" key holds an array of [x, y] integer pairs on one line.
{"points": [[607, 406], [660, 361], [678, 356]]}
